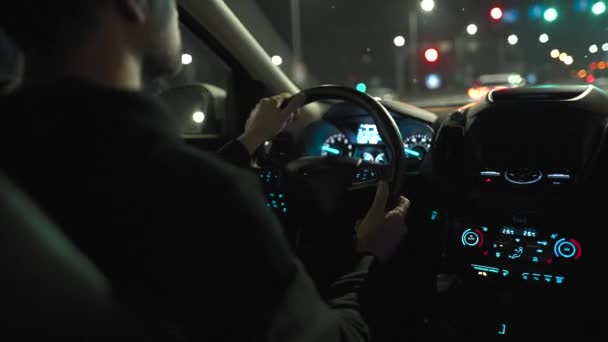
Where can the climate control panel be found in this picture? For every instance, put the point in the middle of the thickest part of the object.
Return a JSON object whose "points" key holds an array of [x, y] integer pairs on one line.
{"points": [[525, 253]]}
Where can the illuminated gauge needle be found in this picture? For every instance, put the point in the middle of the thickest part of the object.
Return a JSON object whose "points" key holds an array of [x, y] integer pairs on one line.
{"points": [[412, 152], [331, 150]]}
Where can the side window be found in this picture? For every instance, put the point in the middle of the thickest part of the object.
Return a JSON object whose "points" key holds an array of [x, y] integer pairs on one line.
{"points": [[197, 94]]}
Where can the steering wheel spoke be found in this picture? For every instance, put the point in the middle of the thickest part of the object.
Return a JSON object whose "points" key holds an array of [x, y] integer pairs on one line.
{"points": [[368, 174]]}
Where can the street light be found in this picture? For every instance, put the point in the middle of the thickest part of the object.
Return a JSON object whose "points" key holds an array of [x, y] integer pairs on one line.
{"points": [[543, 38], [569, 60], [563, 56], [198, 117], [427, 5], [472, 29], [605, 47], [554, 53], [593, 48], [276, 60], [512, 39], [399, 41], [186, 59]]}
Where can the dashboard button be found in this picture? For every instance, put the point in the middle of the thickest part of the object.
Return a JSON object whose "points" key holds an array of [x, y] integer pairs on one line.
{"points": [[471, 238], [567, 249], [365, 175]]}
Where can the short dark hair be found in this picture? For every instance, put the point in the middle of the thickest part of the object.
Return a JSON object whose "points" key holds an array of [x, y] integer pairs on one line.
{"points": [[47, 26]]}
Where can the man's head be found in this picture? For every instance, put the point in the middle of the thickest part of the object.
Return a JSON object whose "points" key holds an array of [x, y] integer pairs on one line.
{"points": [[61, 34]]}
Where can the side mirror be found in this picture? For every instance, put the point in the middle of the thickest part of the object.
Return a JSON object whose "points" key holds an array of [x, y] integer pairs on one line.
{"points": [[198, 108]]}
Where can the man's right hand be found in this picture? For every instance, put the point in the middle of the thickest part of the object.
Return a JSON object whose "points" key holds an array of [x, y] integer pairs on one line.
{"points": [[381, 232]]}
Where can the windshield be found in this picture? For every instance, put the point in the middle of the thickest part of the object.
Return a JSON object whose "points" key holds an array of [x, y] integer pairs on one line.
{"points": [[432, 52]]}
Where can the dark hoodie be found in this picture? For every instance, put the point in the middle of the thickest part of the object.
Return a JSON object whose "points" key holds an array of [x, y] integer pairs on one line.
{"points": [[183, 236]]}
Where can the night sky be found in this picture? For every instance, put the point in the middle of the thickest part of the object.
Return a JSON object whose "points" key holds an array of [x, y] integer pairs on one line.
{"points": [[348, 41]]}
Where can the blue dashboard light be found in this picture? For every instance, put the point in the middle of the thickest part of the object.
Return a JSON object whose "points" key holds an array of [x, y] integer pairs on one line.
{"points": [[485, 268], [434, 215], [503, 329], [331, 150], [412, 152], [564, 248], [535, 259], [470, 238], [559, 280]]}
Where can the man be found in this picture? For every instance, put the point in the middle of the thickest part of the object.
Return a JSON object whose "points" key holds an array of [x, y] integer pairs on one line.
{"points": [[184, 237]]}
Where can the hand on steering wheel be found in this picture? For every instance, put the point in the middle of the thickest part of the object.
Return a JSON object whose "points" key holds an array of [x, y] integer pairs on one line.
{"points": [[268, 119], [379, 232]]}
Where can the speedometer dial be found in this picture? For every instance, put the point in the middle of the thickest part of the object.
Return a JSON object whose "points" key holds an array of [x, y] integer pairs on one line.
{"points": [[337, 145], [417, 145]]}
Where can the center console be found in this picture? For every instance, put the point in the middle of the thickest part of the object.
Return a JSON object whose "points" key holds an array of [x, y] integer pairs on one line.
{"points": [[519, 172]]}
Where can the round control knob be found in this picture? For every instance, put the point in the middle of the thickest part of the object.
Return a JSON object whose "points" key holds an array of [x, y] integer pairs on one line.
{"points": [[567, 249], [472, 238]]}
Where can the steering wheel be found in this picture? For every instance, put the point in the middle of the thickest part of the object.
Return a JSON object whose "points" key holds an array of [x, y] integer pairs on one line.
{"points": [[356, 173], [334, 191]]}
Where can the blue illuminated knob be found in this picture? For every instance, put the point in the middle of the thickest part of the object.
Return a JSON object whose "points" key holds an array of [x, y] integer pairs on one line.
{"points": [[567, 249], [472, 238]]}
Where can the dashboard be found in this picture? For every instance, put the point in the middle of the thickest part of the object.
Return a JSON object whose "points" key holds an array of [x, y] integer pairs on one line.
{"points": [[345, 131], [506, 194], [509, 186]]}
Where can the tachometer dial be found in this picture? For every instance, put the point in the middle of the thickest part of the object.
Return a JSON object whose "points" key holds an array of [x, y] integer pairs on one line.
{"points": [[417, 145], [337, 145]]}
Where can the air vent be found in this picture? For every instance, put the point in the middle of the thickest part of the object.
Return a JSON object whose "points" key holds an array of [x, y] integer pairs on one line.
{"points": [[540, 93]]}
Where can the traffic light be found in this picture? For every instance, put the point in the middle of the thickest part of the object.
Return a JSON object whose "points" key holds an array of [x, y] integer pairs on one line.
{"points": [[431, 55], [598, 8], [362, 87], [496, 13], [550, 14]]}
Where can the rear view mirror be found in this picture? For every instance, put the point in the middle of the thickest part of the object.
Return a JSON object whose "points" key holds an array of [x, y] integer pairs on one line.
{"points": [[198, 108]]}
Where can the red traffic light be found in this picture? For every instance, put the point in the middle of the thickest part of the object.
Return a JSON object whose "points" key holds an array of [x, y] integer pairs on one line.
{"points": [[496, 13], [431, 55]]}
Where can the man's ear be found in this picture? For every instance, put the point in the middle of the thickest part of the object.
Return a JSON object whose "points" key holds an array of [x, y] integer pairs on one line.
{"points": [[133, 10]]}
